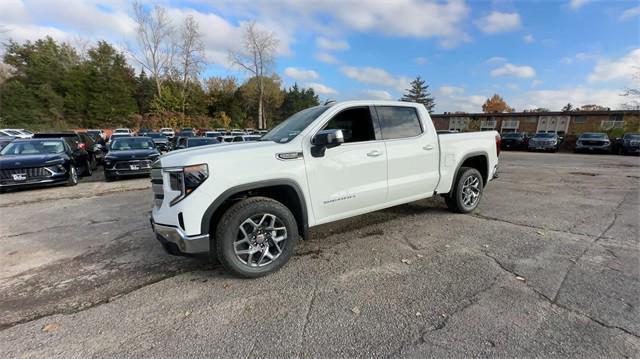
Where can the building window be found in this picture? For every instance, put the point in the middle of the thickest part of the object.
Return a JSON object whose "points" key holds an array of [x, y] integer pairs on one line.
{"points": [[607, 125], [581, 119]]}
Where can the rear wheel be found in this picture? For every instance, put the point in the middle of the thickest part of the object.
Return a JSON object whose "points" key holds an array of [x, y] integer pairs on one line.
{"points": [[255, 237], [466, 192], [73, 176], [88, 170]]}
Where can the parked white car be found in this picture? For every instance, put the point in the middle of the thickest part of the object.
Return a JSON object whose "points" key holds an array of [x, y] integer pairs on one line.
{"points": [[167, 131], [246, 138], [323, 164], [120, 131], [16, 132]]}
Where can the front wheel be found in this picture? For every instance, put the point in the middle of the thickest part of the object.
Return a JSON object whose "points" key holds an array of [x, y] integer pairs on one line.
{"points": [[466, 191], [256, 237], [73, 176]]}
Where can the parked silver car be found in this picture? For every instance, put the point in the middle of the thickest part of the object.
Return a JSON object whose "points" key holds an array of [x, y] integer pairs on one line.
{"points": [[544, 142], [593, 142]]}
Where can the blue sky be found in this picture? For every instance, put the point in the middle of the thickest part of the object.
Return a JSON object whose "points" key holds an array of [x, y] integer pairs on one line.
{"points": [[537, 53]]}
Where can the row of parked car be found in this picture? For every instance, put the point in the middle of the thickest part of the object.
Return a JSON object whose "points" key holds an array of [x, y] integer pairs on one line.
{"points": [[588, 142], [64, 157]]}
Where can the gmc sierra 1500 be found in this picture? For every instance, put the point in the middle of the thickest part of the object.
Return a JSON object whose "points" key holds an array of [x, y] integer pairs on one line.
{"points": [[248, 203]]}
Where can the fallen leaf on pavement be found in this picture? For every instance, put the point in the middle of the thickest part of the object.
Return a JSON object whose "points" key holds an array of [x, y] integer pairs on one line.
{"points": [[540, 233], [520, 278], [418, 314], [405, 261], [51, 327], [355, 310]]}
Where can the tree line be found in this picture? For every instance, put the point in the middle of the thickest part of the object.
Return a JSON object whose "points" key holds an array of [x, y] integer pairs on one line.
{"points": [[49, 85]]}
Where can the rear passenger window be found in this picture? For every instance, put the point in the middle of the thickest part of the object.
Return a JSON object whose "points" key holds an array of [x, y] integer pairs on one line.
{"points": [[398, 122]]}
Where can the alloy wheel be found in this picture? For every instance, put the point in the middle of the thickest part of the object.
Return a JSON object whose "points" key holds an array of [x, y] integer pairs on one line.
{"points": [[260, 240], [471, 191]]}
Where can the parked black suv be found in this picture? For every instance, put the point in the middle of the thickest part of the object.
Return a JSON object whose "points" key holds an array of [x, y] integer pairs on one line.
{"points": [[514, 141], [129, 156], [41, 161], [161, 141], [81, 142], [630, 144]]}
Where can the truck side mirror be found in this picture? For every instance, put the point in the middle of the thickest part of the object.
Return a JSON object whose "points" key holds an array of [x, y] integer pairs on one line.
{"points": [[326, 139]]}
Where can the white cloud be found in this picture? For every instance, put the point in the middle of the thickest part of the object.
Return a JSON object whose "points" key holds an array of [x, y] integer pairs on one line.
{"points": [[536, 83], [630, 13], [499, 22], [580, 56], [327, 58], [576, 4], [555, 99], [320, 89], [455, 103], [514, 70], [327, 44], [529, 39], [495, 60], [378, 94], [624, 68], [420, 60], [301, 74], [447, 90], [376, 76]]}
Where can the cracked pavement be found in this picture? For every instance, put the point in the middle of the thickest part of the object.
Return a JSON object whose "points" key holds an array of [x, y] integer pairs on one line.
{"points": [[548, 266]]}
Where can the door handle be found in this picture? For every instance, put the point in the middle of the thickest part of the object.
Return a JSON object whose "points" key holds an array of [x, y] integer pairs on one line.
{"points": [[427, 148], [375, 153]]}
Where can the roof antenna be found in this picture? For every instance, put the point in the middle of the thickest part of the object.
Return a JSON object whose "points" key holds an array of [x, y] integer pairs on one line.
{"points": [[329, 102]]}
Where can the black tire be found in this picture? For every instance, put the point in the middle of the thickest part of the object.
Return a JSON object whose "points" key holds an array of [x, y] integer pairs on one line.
{"points": [[88, 171], [73, 176], [228, 231], [455, 200], [93, 162]]}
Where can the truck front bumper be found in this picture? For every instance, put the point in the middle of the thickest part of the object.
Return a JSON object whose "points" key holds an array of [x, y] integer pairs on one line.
{"points": [[176, 242]]}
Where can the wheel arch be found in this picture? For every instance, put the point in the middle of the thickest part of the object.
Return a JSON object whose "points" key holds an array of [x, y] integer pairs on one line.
{"points": [[285, 191], [478, 160]]}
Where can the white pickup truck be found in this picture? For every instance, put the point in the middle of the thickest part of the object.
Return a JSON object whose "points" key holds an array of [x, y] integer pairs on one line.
{"points": [[248, 203]]}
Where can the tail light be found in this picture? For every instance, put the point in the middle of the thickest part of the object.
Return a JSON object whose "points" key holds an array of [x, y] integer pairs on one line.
{"points": [[498, 140], [82, 145]]}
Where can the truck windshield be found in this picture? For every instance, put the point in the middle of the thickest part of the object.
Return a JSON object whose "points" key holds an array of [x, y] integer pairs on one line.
{"points": [[291, 127]]}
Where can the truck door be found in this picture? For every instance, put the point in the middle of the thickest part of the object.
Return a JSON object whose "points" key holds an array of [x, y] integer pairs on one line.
{"points": [[412, 153], [351, 177]]}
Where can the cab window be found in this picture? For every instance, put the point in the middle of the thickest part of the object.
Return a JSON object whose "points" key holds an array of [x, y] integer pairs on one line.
{"points": [[356, 124], [398, 122]]}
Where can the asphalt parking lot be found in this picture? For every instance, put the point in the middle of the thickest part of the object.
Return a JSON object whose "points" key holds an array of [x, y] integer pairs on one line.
{"points": [[548, 266]]}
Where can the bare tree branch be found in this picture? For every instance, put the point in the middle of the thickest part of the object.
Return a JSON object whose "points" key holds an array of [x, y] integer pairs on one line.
{"points": [[155, 46], [191, 55], [257, 58]]}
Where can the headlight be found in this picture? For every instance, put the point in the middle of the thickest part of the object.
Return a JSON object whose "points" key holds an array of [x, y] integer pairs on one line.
{"points": [[186, 179]]}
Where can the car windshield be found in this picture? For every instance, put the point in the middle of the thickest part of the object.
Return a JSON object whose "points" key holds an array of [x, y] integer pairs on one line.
{"points": [[132, 143], [545, 135], [34, 147], [194, 142], [156, 135], [291, 127], [511, 135], [593, 135], [632, 136]]}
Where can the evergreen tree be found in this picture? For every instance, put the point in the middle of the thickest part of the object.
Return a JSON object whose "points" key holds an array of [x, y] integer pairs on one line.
{"points": [[110, 86], [419, 92], [145, 89], [295, 100]]}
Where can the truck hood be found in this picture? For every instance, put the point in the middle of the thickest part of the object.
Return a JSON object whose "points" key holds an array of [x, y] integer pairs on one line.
{"points": [[27, 161], [203, 154]]}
